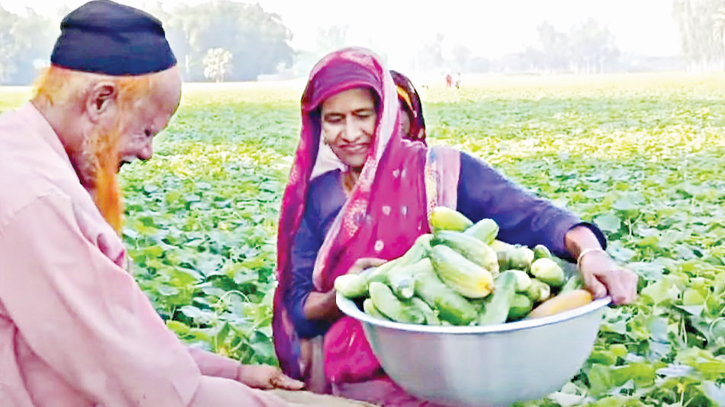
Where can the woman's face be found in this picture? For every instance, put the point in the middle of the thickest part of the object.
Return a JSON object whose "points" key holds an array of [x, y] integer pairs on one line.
{"points": [[348, 125], [405, 119]]}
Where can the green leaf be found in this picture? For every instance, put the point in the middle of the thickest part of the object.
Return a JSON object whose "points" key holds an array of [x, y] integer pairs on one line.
{"points": [[661, 291], [643, 374], [714, 392], [648, 271], [167, 290], [675, 371], [600, 379], [199, 316], [178, 327], [608, 222], [565, 399]]}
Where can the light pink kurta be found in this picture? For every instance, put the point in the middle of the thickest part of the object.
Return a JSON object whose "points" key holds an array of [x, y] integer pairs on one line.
{"points": [[75, 328]]}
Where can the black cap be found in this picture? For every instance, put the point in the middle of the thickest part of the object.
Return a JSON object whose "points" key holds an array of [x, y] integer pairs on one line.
{"points": [[105, 37]]}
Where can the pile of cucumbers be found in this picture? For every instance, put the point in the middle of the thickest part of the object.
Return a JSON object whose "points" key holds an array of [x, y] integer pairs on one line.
{"points": [[460, 274]]}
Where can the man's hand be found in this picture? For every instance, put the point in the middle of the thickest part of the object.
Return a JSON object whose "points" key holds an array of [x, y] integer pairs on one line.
{"points": [[267, 377]]}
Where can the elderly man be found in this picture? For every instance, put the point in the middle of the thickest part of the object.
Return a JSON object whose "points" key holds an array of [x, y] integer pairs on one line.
{"points": [[75, 329]]}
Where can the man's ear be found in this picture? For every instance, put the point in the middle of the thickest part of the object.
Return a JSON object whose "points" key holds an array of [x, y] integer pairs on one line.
{"points": [[101, 98]]}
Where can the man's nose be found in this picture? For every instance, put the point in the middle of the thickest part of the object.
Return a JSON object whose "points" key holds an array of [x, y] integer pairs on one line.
{"points": [[147, 151]]}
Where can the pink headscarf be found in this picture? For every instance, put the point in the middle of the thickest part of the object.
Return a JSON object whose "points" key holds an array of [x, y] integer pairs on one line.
{"points": [[383, 215]]}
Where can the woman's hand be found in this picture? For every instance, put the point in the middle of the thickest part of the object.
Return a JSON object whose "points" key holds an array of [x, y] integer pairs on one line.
{"points": [[600, 273], [602, 276], [267, 377], [364, 263], [323, 306]]}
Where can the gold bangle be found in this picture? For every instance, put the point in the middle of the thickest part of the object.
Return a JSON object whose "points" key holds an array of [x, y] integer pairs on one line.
{"points": [[585, 251]]}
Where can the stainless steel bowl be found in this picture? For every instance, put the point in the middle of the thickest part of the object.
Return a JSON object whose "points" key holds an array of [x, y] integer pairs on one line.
{"points": [[483, 365]]}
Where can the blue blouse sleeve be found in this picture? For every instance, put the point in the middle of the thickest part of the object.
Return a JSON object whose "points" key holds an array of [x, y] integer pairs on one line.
{"points": [[523, 217], [325, 199], [304, 252]]}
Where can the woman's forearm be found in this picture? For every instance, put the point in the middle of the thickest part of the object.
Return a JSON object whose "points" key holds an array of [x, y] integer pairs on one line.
{"points": [[321, 306], [580, 238]]}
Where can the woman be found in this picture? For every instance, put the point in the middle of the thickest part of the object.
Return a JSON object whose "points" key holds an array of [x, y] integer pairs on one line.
{"points": [[374, 209], [411, 120], [410, 104]]}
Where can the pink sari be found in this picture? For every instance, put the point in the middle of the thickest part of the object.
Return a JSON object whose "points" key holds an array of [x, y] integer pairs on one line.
{"points": [[385, 212]]}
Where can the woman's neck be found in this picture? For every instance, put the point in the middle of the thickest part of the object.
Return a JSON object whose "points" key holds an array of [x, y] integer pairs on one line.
{"points": [[349, 178]]}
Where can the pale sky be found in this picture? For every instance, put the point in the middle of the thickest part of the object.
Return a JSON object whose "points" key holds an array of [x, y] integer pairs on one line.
{"points": [[490, 28]]}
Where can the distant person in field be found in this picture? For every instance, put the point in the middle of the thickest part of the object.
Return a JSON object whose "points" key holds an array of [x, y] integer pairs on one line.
{"points": [[412, 122], [449, 80], [373, 209], [75, 328]]}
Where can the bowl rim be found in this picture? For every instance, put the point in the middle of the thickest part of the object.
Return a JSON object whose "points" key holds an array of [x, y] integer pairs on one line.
{"points": [[348, 307]]}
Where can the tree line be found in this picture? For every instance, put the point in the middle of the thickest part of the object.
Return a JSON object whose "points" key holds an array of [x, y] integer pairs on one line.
{"points": [[218, 40], [224, 40], [701, 25]]}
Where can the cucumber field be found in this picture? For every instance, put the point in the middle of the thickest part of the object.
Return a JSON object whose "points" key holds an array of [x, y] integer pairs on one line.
{"points": [[641, 155]]}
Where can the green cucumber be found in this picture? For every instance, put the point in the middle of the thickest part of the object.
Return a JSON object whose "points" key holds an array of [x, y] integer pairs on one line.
{"points": [[497, 305], [520, 307], [389, 305], [469, 247], [484, 230], [369, 308], [452, 307]]}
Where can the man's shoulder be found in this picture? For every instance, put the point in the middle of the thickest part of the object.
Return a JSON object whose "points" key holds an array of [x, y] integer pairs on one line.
{"points": [[30, 168], [21, 187], [26, 179]]}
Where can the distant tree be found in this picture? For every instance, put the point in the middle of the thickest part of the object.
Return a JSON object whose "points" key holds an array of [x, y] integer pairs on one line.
{"points": [[701, 29], [303, 62], [217, 63], [587, 47], [555, 48], [431, 53], [720, 25], [479, 64], [533, 59], [25, 45], [331, 39], [34, 36], [174, 26], [719, 31], [257, 40], [376, 48], [461, 56], [592, 47], [8, 63]]}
